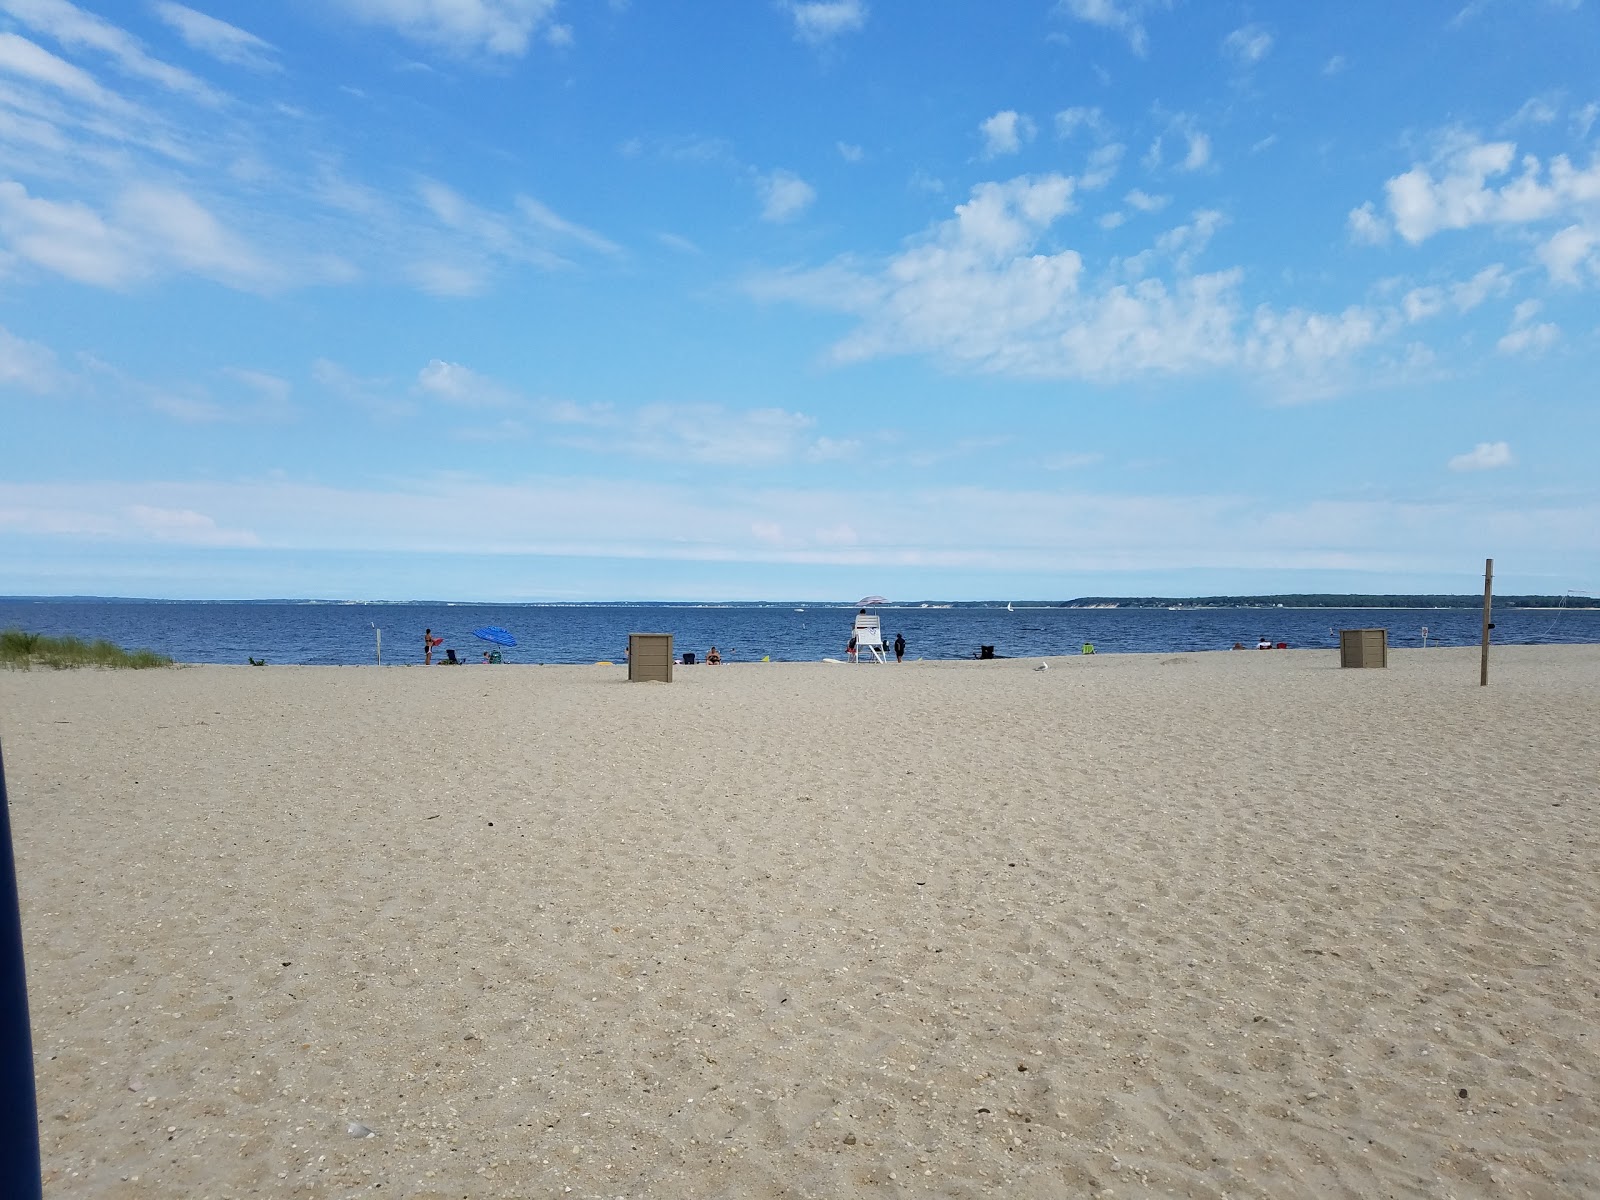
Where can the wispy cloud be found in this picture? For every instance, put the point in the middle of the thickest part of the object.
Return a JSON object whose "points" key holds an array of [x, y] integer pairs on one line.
{"points": [[1195, 143], [1528, 336], [1120, 16], [222, 41], [1069, 121], [1005, 133], [461, 385], [1248, 45], [1055, 529], [75, 29], [463, 28], [149, 231], [27, 365], [1485, 456], [820, 21], [784, 195]]}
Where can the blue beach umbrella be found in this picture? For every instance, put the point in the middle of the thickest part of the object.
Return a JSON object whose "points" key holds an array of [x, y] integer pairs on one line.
{"points": [[493, 633]]}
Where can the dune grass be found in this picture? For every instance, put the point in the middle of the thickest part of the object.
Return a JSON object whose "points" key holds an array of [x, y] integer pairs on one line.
{"points": [[23, 651]]}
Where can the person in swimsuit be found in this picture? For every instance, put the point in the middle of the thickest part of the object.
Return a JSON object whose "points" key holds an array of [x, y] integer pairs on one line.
{"points": [[427, 647]]}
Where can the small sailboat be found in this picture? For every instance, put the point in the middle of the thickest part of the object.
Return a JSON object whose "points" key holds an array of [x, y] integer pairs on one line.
{"points": [[1009, 608]]}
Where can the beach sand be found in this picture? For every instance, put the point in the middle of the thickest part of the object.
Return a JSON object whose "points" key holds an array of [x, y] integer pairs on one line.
{"points": [[1236, 924]]}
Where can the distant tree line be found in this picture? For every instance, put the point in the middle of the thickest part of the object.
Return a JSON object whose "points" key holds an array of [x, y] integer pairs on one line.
{"points": [[1323, 600]]}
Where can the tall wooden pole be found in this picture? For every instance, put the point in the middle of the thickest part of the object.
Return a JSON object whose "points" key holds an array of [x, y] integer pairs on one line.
{"points": [[1488, 596]]}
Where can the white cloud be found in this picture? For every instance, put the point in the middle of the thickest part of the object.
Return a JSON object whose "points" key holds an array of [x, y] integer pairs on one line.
{"points": [[222, 41], [271, 392], [850, 152], [1071, 461], [27, 365], [1485, 456], [1456, 192], [705, 433], [1532, 339], [1491, 281], [1199, 150], [984, 291], [819, 21], [1527, 336], [1248, 44], [1535, 111], [1145, 202], [19, 56], [1584, 118], [1101, 167], [546, 218], [185, 527], [1005, 133], [68, 238], [1119, 16], [78, 30], [1054, 528], [1567, 253], [1305, 342], [148, 231], [1366, 226], [461, 385], [1421, 303], [469, 244], [377, 396], [710, 434], [449, 279], [1197, 145], [170, 224], [461, 27], [1070, 120], [784, 195], [1335, 65]]}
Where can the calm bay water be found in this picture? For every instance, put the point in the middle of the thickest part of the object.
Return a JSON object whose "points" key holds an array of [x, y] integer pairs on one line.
{"points": [[338, 633]]}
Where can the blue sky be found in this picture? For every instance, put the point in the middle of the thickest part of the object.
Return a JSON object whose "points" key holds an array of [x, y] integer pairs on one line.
{"points": [[534, 299]]}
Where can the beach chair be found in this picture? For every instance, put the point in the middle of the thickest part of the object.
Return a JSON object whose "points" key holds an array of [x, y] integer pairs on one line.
{"points": [[869, 638]]}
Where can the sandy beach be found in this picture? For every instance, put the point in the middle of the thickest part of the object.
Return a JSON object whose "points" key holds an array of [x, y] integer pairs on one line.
{"points": [[1204, 925]]}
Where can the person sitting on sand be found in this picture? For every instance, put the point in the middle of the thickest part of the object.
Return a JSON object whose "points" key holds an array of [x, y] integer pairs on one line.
{"points": [[712, 657], [1262, 643]]}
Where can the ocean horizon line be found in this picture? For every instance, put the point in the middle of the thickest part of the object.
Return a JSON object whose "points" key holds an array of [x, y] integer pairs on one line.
{"points": [[1394, 601]]}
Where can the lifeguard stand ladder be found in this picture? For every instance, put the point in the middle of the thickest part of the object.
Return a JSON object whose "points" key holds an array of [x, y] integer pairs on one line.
{"points": [[869, 637]]}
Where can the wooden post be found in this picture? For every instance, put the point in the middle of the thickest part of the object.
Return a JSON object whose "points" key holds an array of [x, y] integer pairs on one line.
{"points": [[1488, 597]]}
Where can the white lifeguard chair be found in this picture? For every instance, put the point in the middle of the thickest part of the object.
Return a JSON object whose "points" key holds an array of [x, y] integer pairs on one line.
{"points": [[869, 637]]}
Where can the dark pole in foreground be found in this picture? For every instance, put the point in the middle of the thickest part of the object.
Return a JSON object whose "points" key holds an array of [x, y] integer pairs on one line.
{"points": [[19, 1112], [1488, 594]]}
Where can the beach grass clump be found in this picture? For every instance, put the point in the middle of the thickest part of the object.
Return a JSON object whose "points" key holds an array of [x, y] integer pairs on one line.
{"points": [[21, 651]]}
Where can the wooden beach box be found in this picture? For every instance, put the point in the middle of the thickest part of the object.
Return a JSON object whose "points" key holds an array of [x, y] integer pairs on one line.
{"points": [[1363, 647], [649, 657]]}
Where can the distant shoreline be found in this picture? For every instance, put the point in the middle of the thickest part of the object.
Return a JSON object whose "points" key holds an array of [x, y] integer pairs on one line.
{"points": [[1428, 603]]}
